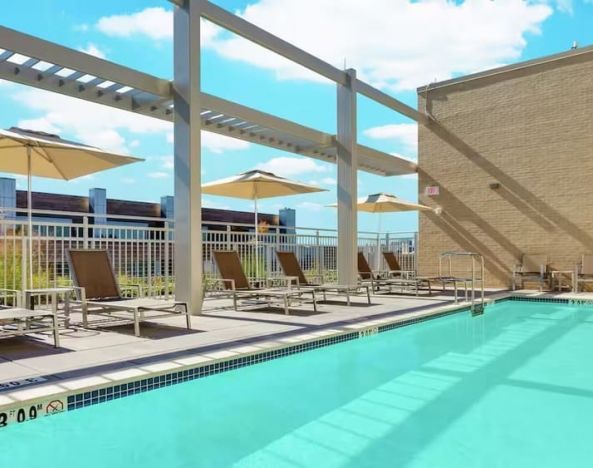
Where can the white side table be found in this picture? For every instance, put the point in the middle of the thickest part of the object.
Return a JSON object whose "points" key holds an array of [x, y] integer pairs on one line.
{"points": [[54, 294]]}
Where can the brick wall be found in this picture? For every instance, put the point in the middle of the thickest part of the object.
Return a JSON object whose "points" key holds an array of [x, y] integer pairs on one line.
{"points": [[529, 130]]}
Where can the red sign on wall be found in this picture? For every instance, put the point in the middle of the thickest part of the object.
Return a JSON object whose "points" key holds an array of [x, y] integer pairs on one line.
{"points": [[431, 190]]}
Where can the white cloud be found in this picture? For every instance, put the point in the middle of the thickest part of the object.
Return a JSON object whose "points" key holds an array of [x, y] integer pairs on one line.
{"points": [[310, 206], [393, 44], [41, 124], [156, 23], [220, 143], [153, 22], [100, 126], [290, 167], [158, 175], [566, 6], [167, 162], [324, 181], [217, 143], [209, 203], [92, 49], [403, 134]]}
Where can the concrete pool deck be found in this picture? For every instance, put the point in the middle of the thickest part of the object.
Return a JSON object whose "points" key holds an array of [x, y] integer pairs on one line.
{"points": [[219, 328], [219, 333]]}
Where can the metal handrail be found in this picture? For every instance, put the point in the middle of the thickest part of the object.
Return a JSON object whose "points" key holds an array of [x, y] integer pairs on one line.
{"points": [[477, 263]]}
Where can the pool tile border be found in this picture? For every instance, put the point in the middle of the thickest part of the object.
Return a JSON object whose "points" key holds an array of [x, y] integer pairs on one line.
{"points": [[133, 381], [93, 397]]}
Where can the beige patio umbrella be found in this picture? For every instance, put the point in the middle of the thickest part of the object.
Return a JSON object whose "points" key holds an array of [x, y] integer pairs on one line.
{"points": [[254, 185], [386, 203], [41, 154]]}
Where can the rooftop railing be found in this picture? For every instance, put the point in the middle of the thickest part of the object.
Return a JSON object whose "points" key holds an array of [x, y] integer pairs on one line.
{"points": [[142, 248]]}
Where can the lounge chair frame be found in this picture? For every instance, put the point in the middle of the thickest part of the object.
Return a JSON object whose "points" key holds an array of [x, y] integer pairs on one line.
{"points": [[532, 267], [394, 268], [583, 272], [114, 305], [16, 321], [234, 280], [294, 275], [379, 279]]}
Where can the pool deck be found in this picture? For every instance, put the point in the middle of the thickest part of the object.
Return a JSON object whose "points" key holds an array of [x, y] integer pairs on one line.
{"points": [[220, 333], [219, 328]]}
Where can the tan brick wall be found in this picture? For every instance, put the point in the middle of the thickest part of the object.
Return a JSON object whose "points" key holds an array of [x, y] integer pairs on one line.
{"points": [[531, 131]]}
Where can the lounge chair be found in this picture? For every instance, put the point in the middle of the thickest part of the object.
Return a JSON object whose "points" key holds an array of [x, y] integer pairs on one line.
{"points": [[233, 279], [394, 268], [294, 273], [98, 292], [583, 272], [532, 268], [15, 321], [379, 279]]}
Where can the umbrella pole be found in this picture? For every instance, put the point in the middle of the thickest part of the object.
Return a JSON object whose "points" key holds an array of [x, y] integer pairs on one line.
{"points": [[29, 218], [256, 241], [379, 249]]}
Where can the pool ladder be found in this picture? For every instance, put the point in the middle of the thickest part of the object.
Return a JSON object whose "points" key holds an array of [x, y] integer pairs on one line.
{"points": [[476, 276]]}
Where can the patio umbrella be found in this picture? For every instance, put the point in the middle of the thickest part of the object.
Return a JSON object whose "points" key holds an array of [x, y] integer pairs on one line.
{"points": [[254, 185], [42, 154], [386, 203]]}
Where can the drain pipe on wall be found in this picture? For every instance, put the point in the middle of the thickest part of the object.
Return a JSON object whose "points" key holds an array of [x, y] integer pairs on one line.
{"points": [[426, 112]]}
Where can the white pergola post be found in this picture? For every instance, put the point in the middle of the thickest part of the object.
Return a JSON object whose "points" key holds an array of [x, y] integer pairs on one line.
{"points": [[187, 149], [347, 162]]}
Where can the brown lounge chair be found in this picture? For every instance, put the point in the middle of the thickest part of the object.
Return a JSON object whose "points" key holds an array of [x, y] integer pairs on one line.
{"points": [[583, 272], [99, 292], [396, 271], [532, 268], [394, 268], [233, 279], [294, 273], [380, 279]]}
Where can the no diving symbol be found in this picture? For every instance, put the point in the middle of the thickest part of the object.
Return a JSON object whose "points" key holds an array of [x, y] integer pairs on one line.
{"points": [[54, 406]]}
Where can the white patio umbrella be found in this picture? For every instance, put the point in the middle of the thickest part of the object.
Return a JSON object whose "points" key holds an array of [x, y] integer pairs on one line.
{"points": [[41, 154], [254, 185], [386, 203]]}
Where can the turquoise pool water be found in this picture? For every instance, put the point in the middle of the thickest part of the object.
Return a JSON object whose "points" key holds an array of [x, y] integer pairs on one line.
{"points": [[512, 388]]}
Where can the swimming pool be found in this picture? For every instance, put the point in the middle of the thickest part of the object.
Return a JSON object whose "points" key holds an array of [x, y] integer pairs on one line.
{"points": [[510, 388]]}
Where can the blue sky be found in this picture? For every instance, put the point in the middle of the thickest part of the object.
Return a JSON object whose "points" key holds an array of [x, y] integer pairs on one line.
{"points": [[396, 45]]}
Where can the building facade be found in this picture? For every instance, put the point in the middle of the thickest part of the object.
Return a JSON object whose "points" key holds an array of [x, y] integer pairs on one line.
{"points": [[509, 162], [99, 209]]}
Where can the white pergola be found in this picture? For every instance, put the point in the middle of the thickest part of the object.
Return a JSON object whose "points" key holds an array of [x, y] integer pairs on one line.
{"points": [[31, 61]]}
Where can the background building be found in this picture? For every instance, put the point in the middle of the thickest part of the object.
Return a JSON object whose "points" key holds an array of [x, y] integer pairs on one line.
{"points": [[72, 208], [511, 156]]}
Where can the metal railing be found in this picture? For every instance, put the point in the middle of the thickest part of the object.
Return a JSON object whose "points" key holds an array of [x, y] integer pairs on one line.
{"points": [[142, 249]]}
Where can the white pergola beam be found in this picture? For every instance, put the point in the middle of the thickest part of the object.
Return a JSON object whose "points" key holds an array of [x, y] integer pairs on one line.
{"points": [[263, 119], [255, 34], [69, 58], [389, 101], [347, 161], [383, 163], [187, 156], [157, 96]]}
